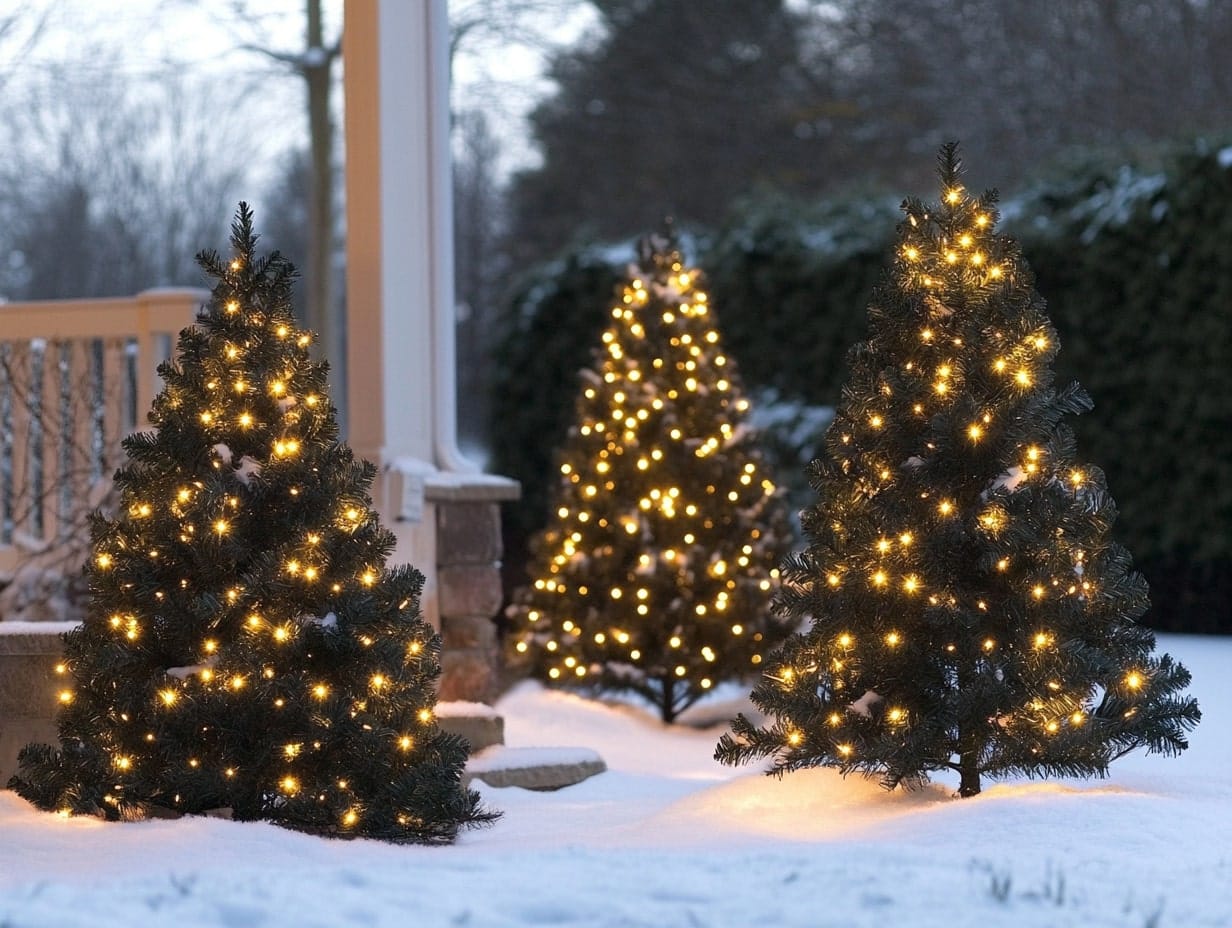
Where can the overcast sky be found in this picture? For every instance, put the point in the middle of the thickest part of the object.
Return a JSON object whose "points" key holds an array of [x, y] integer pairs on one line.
{"points": [[152, 39]]}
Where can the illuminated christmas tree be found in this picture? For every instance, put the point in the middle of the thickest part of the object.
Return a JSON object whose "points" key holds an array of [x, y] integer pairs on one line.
{"points": [[654, 574], [245, 645], [970, 611]]}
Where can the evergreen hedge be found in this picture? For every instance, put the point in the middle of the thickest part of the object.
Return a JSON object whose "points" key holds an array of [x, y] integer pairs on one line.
{"points": [[1137, 271]]}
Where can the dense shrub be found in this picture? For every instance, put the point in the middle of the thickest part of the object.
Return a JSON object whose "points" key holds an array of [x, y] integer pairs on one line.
{"points": [[1137, 273]]}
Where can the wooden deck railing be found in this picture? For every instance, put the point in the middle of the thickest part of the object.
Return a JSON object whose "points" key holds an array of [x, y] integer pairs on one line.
{"points": [[76, 376]]}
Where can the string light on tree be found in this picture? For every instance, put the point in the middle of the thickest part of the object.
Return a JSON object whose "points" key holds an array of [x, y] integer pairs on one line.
{"points": [[979, 647], [654, 574], [198, 651]]}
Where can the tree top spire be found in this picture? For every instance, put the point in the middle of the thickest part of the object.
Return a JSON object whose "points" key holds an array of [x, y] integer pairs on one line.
{"points": [[949, 165]]}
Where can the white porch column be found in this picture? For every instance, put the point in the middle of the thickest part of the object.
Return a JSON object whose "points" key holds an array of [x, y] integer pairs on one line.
{"points": [[400, 286], [401, 308]]}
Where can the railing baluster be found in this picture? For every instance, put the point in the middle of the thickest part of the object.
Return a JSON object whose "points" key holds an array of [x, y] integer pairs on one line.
{"points": [[76, 376], [7, 496], [19, 370]]}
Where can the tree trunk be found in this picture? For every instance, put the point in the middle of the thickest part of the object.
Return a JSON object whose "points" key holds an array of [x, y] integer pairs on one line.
{"points": [[322, 316], [667, 711], [969, 749]]}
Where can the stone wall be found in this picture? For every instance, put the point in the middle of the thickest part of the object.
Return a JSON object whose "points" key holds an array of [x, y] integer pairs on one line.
{"points": [[29, 652]]}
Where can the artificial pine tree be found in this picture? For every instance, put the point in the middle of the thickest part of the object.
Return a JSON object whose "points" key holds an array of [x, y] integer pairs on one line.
{"points": [[653, 575], [245, 645], [970, 611]]}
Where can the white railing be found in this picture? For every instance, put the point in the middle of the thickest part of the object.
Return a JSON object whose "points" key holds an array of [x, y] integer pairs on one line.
{"points": [[76, 376]]}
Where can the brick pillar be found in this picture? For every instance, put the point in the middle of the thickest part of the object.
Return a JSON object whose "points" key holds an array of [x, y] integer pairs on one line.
{"points": [[468, 551]]}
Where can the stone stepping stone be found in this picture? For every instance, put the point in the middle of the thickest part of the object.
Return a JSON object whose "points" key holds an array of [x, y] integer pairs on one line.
{"points": [[480, 724], [534, 768]]}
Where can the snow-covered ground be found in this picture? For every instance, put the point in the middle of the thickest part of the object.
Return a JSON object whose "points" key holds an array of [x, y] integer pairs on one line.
{"points": [[669, 838]]}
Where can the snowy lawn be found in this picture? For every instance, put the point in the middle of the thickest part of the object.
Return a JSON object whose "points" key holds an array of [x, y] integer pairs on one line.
{"points": [[668, 838]]}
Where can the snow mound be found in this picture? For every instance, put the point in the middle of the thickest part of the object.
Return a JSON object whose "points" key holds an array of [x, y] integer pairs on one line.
{"points": [[630, 737], [500, 757], [461, 708], [816, 804]]}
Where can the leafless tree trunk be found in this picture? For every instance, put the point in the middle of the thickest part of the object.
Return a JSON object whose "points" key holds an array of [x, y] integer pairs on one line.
{"points": [[21, 28], [324, 315]]}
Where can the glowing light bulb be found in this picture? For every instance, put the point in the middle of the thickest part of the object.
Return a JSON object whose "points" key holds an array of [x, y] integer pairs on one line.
{"points": [[1133, 680], [221, 526], [168, 697], [945, 507], [893, 639], [974, 432], [103, 561]]}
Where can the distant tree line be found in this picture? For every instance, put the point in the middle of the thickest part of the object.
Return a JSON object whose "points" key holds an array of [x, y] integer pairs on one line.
{"points": [[673, 106]]}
